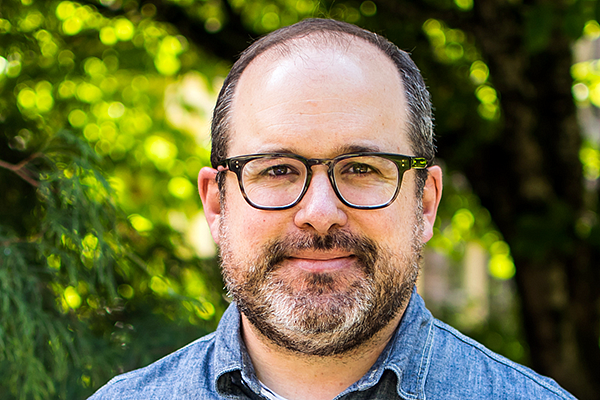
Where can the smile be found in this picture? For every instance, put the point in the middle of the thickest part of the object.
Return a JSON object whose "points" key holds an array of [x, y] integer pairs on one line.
{"points": [[322, 262]]}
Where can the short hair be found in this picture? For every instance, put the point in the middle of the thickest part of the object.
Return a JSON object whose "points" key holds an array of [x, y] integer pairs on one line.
{"points": [[420, 123]]}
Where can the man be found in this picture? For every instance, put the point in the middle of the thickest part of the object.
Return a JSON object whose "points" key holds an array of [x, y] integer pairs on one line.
{"points": [[320, 198]]}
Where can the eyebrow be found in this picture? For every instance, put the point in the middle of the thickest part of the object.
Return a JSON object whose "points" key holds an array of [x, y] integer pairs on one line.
{"points": [[354, 148]]}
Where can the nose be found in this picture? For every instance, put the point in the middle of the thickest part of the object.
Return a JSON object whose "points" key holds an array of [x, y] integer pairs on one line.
{"points": [[320, 209]]}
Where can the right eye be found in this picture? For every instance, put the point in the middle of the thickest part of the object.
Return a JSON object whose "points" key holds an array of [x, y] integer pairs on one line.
{"points": [[279, 171]]}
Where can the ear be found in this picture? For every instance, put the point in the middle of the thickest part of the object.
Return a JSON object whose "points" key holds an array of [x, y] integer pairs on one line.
{"points": [[209, 193], [432, 194]]}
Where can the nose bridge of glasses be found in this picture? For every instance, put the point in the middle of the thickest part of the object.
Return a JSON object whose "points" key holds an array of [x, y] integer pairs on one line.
{"points": [[327, 162], [319, 161]]}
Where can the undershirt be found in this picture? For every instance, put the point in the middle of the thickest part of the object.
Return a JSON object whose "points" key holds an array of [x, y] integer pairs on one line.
{"points": [[269, 394]]}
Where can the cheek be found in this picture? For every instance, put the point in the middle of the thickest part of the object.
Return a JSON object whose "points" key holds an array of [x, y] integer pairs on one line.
{"points": [[393, 226], [248, 228]]}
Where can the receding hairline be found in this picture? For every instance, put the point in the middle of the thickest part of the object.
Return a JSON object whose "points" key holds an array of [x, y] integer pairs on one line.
{"points": [[296, 46], [316, 40]]}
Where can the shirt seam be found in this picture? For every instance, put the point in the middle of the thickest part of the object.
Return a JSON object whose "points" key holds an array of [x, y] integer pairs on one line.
{"points": [[426, 360]]}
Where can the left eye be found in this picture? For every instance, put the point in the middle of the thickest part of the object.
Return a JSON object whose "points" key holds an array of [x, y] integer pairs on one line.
{"points": [[358, 169]]}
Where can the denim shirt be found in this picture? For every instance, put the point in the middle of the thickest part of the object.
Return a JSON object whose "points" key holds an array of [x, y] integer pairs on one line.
{"points": [[426, 359]]}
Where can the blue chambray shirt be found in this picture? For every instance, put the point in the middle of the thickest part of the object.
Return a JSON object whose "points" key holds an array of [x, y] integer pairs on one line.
{"points": [[426, 359]]}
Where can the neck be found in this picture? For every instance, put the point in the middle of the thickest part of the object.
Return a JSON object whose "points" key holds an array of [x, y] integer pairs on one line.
{"points": [[298, 376]]}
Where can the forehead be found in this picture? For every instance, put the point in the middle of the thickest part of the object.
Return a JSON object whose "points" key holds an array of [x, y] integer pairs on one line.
{"points": [[339, 93]]}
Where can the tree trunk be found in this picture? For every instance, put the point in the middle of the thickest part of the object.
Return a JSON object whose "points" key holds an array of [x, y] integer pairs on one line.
{"points": [[530, 179]]}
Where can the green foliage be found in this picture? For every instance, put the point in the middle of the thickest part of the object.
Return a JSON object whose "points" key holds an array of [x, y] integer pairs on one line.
{"points": [[105, 128], [586, 74], [69, 254], [263, 16]]}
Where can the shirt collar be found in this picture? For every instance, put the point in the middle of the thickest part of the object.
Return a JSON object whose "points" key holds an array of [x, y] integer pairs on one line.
{"points": [[228, 356], [411, 349], [408, 354]]}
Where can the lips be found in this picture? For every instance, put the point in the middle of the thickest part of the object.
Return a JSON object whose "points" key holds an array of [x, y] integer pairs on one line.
{"points": [[321, 262]]}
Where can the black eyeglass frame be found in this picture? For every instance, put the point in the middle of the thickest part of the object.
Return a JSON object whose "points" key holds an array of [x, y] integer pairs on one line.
{"points": [[403, 163]]}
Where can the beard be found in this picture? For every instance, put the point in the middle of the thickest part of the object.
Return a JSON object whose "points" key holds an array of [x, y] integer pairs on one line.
{"points": [[321, 313]]}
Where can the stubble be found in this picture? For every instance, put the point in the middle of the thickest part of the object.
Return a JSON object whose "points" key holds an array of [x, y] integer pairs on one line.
{"points": [[326, 313]]}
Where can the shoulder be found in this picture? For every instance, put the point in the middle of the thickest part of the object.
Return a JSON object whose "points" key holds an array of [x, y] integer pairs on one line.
{"points": [[459, 364], [167, 378]]}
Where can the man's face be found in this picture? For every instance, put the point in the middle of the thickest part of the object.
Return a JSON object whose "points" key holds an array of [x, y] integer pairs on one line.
{"points": [[320, 278]]}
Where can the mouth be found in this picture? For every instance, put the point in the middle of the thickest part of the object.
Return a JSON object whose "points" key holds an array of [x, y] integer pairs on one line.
{"points": [[320, 262]]}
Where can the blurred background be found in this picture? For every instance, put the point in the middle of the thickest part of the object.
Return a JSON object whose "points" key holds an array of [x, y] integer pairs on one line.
{"points": [[106, 262]]}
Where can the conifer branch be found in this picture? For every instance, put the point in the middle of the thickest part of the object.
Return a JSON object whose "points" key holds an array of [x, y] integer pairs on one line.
{"points": [[20, 170], [31, 239]]}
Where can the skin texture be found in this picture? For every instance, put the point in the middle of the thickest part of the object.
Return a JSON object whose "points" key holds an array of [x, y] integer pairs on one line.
{"points": [[319, 101]]}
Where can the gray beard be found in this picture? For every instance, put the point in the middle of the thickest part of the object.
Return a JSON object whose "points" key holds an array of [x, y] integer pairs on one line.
{"points": [[321, 314]]}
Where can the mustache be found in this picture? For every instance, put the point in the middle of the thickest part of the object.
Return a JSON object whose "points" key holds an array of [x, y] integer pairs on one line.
{"points": [[363, 248]]}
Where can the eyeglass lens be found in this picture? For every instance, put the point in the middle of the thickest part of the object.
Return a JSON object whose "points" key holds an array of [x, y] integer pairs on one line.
{"points": [[280, 181]]}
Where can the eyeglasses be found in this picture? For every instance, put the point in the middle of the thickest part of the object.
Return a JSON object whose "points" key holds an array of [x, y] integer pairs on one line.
{"points": [[360, 180]]}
